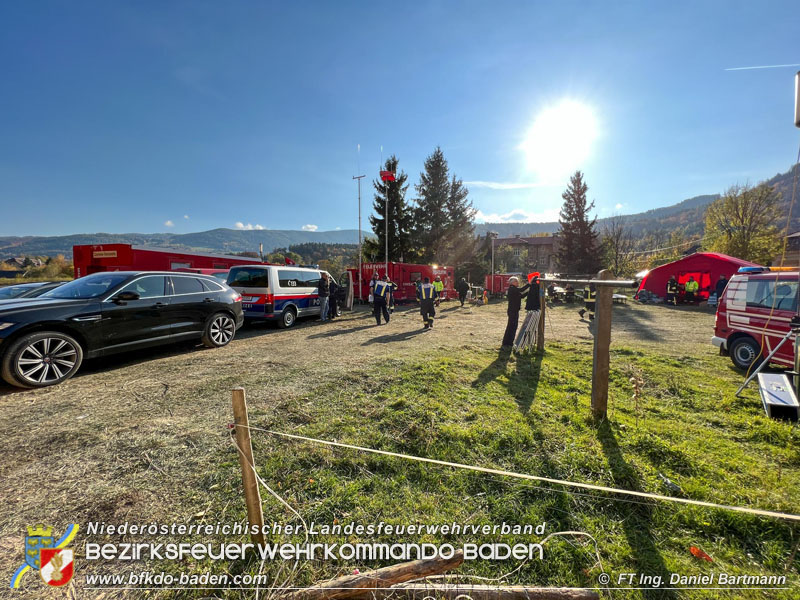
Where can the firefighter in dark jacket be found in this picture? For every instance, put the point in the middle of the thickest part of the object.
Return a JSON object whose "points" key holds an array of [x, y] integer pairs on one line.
{"points": [[380, 296], [462, 288], [515, 296], [589, 300], [427, 294], [672, 291], [392, 287]]}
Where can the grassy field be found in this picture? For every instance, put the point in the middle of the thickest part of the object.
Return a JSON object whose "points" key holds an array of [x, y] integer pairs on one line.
{"points": [[143, 438]]}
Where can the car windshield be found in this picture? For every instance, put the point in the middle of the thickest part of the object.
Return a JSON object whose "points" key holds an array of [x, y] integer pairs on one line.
{"points": [[12, 291], [90, 286]]}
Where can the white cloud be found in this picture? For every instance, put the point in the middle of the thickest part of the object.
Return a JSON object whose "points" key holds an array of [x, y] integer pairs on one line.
{"points": [[248, 227], [501, 185], [185, 216], [169, 224], [618, 206], [309, 228], [338, 229], [518, 215]]}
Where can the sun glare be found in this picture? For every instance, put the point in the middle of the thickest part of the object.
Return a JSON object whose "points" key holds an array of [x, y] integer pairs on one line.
{"points": [[560, 139]]}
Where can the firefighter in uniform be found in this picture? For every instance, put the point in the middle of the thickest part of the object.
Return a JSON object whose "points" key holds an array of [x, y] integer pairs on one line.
{"points": [[439, 286], [392, 287], [380, 296], [672, 291], [426, 294], [589, 299]]}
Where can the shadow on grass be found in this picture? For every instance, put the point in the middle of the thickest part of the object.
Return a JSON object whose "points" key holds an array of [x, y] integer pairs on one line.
{"points": [[523, 381], [333, 332], [394, 337], [637, 519]]}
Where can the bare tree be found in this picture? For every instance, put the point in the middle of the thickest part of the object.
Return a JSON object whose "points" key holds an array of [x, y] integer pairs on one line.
{"points": [[742, 223], [618, 245]]}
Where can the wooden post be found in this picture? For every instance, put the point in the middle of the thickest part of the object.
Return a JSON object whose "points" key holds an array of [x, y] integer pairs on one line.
{"points": [[602, 342], [542, 309], [252, 495]]}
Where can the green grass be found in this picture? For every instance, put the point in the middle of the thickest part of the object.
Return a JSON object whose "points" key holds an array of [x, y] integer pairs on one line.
{"points": [[531, 415]]}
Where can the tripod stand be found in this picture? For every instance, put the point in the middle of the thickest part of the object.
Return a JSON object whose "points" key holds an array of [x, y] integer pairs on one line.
{"points": [[794, 331]]}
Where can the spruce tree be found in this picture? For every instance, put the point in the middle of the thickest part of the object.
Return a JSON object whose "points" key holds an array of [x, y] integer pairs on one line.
{"points": [[443, 227], [460, 225], [400, 217], [430, 213], [578, 251]]}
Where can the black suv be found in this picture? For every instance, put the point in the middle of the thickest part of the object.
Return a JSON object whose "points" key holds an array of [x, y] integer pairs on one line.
{"points": [[44, 340]]}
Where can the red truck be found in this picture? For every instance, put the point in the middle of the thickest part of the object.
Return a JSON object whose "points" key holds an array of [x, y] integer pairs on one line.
{"points": [[125, 257], [497, 285], [405, 275]]}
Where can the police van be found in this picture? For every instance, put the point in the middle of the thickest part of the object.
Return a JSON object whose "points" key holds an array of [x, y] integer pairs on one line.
{"points": [[282, 293]]}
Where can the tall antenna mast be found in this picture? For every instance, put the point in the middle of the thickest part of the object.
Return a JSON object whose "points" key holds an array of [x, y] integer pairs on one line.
{"points": [[359, 178]]}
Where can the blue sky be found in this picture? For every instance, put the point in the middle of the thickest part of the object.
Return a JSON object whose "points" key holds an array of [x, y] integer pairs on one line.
{"points": [[184, 116]]}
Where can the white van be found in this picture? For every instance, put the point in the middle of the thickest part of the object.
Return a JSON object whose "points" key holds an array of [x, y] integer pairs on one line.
{"points": [[280, 293]]}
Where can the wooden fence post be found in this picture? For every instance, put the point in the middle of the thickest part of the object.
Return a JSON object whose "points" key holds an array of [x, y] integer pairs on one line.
{"points": [[542, 309], [252, 495], [602, 342]]}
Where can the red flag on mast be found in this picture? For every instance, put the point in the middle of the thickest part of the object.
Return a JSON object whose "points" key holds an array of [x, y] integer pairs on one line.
{"points": [[387, 176]]}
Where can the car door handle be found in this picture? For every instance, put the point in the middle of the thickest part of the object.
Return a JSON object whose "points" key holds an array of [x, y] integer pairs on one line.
{"points": [[208, 299], [159, 305]]}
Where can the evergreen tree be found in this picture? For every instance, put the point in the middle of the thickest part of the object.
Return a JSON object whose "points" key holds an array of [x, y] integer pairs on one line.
{"points": [[578, 248], [443, 217], [430, 214], [400, 217], [461, 225]]}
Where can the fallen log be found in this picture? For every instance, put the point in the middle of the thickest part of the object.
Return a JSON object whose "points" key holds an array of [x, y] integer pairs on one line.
{"points": [[418, 591], [365, 585]]}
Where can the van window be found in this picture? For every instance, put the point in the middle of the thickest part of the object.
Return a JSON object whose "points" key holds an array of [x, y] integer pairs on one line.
{"points": [[248, 277], [293, 278], [763, 293]]}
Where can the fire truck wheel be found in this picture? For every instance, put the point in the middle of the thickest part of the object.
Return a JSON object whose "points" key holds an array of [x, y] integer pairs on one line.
{"points": [[219, 330], [288, 318], [745, 352], [41, 359]]}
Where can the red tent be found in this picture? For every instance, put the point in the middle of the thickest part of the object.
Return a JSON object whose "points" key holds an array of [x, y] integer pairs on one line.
{"points": [[705, 267]]}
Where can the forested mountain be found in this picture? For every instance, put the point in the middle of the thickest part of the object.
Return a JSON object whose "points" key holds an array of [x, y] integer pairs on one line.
{"points": [[687, 216], [216, 240]]}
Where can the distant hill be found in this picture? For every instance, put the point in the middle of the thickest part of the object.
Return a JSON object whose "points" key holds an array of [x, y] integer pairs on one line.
{"points": [[216, 240], [688, 215]]}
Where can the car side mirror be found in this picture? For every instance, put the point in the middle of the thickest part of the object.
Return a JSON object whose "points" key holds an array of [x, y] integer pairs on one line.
{"points": [[123, 297]]}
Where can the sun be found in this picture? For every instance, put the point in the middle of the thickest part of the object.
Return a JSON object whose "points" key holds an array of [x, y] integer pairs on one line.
{"points": [[560, 139]]}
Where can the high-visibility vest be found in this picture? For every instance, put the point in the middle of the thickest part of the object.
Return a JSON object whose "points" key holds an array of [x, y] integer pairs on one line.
{"points": [[381, 288], [426, 291], [438, 285], [588, 294], [692, 286]]}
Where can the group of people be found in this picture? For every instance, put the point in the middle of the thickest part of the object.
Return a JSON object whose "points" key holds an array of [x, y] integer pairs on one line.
{"points": [[515, 293], [429, 295], [327, 298], [691, 290]]}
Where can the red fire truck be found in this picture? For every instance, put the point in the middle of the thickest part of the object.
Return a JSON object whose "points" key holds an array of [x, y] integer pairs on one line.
{"points": [[405, 275], [497, 285], [125, 257]]}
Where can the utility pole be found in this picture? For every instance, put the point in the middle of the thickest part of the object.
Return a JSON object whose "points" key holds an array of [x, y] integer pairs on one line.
{"points": [[493, 235], [359, 178]]}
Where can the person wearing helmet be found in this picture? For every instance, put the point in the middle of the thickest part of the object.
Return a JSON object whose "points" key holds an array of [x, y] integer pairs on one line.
{"points": [[439, 286], [515, 296]]}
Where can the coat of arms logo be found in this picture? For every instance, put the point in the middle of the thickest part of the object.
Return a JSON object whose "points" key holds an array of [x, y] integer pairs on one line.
{"points": [[51, 557]]}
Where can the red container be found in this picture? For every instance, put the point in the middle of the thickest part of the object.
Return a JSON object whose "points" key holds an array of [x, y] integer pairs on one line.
{"points": [[124, 257], [405, 275]]}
